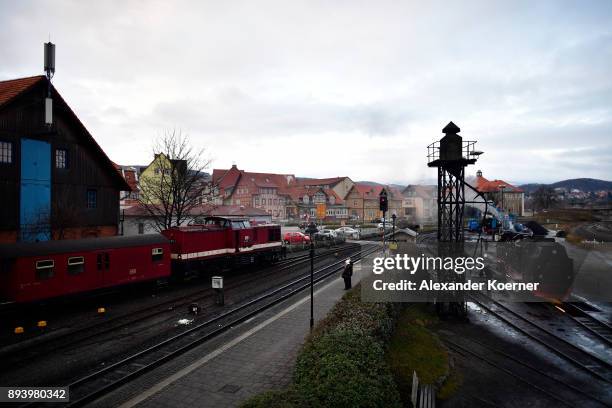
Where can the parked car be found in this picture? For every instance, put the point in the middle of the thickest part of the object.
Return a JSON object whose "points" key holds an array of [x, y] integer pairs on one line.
{"points": [[387, 225], [348, 232], [294, 238], [328, 233], [329, 236]]}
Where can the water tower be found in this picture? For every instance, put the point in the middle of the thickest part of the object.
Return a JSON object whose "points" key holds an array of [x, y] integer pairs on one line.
{"points": [[451, 155]]}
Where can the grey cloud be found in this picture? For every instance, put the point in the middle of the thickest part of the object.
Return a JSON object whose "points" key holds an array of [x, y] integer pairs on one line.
{"points": [[517, 76]]}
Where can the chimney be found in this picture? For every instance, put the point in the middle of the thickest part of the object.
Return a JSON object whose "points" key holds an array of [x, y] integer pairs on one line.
{"points": [[479, 173]]}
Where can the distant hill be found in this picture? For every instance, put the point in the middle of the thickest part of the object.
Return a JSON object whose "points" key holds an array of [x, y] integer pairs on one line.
{"points": [[583, 184]]}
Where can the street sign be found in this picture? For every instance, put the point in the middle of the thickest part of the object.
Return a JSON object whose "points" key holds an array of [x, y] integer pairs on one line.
{"points": [[217, 282], [321, 211]]}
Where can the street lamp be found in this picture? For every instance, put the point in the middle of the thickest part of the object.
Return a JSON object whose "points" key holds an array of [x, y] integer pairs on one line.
{"points": [[311, 230]]}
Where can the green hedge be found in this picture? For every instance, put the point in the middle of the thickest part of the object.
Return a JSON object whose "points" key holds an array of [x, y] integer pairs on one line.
{"points": [[342, 363]]}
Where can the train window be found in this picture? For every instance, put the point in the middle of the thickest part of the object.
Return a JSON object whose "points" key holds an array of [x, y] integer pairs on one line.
{"points": [[274, 234], [157, 254], [217, 223], [44, 269], [246, 224], [76, 265]]}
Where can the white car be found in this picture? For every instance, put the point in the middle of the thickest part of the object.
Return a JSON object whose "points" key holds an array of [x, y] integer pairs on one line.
{"points": [[328, 233], [348, 232], [387, 225]]}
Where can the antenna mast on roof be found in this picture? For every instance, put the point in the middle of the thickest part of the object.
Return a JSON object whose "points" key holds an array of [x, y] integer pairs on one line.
{"points": [[50, 71]]}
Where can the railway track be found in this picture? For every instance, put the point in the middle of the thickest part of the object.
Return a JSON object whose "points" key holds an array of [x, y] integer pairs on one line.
{"points": [[579, 357], [530, 375], [67, 339], [103, 381], [579, 314]]}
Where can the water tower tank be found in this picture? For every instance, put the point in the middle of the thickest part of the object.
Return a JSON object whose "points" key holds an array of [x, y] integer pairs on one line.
{"points": [[451, 144]]}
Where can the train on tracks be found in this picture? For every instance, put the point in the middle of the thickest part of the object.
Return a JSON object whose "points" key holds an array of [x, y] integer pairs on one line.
{"points": [[538, 260], [30, 272]]}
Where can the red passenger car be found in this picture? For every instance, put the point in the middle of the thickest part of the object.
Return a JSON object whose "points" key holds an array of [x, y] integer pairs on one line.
{"points": [[223, 242], [35, 271]]}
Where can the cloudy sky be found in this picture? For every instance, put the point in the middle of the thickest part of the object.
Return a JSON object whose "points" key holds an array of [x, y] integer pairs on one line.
{"points": [[326, 88]]}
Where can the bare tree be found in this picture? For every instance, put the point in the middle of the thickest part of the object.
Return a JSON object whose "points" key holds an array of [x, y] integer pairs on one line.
{"points": [[65, 213], [37, 226], [543, 197], [178, 188]]}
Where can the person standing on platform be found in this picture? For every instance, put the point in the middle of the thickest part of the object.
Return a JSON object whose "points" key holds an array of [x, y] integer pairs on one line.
{"points": [[347, 274]]}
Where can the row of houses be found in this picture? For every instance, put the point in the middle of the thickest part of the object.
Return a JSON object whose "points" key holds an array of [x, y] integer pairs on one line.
{"points": [[287, 197]]}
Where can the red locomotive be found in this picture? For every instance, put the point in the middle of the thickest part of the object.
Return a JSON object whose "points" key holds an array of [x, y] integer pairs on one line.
{"points": [[36, 271], [222, 242]]}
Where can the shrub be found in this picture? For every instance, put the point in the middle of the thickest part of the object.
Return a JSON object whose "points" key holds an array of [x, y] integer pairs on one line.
{"points": [[345, 368]]}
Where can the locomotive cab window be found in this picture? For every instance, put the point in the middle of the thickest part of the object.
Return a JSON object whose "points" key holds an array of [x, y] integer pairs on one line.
{"points": [[157, 254], [239, 225], [274, 234], [76, 265], [44, 269]]}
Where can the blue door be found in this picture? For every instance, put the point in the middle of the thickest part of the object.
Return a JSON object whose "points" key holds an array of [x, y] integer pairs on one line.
{"points": [[35, 200]]}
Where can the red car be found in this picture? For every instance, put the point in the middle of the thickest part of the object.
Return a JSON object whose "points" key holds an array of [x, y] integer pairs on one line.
{"points": [[296, 238]]}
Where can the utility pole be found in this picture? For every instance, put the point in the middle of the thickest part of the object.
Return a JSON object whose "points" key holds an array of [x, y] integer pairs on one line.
{"points": [[311, 230]]}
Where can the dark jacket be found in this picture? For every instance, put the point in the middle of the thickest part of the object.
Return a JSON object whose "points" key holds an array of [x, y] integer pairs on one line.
{"points": [[348, 271]]}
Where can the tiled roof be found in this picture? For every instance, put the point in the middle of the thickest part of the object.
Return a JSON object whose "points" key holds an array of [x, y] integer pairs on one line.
{"points": [[320, 182], [489, 186], [12, 88], [298, 192], [234, 177], [130, 177], [373, 191], [226, 178], [426, 192]]}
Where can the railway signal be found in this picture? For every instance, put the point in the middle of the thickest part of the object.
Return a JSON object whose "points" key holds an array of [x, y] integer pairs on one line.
{"points": [[383, 201], [384, 206]]}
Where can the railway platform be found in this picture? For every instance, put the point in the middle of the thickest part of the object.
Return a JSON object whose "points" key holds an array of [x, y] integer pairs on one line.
{"points": [[255, 356]]}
